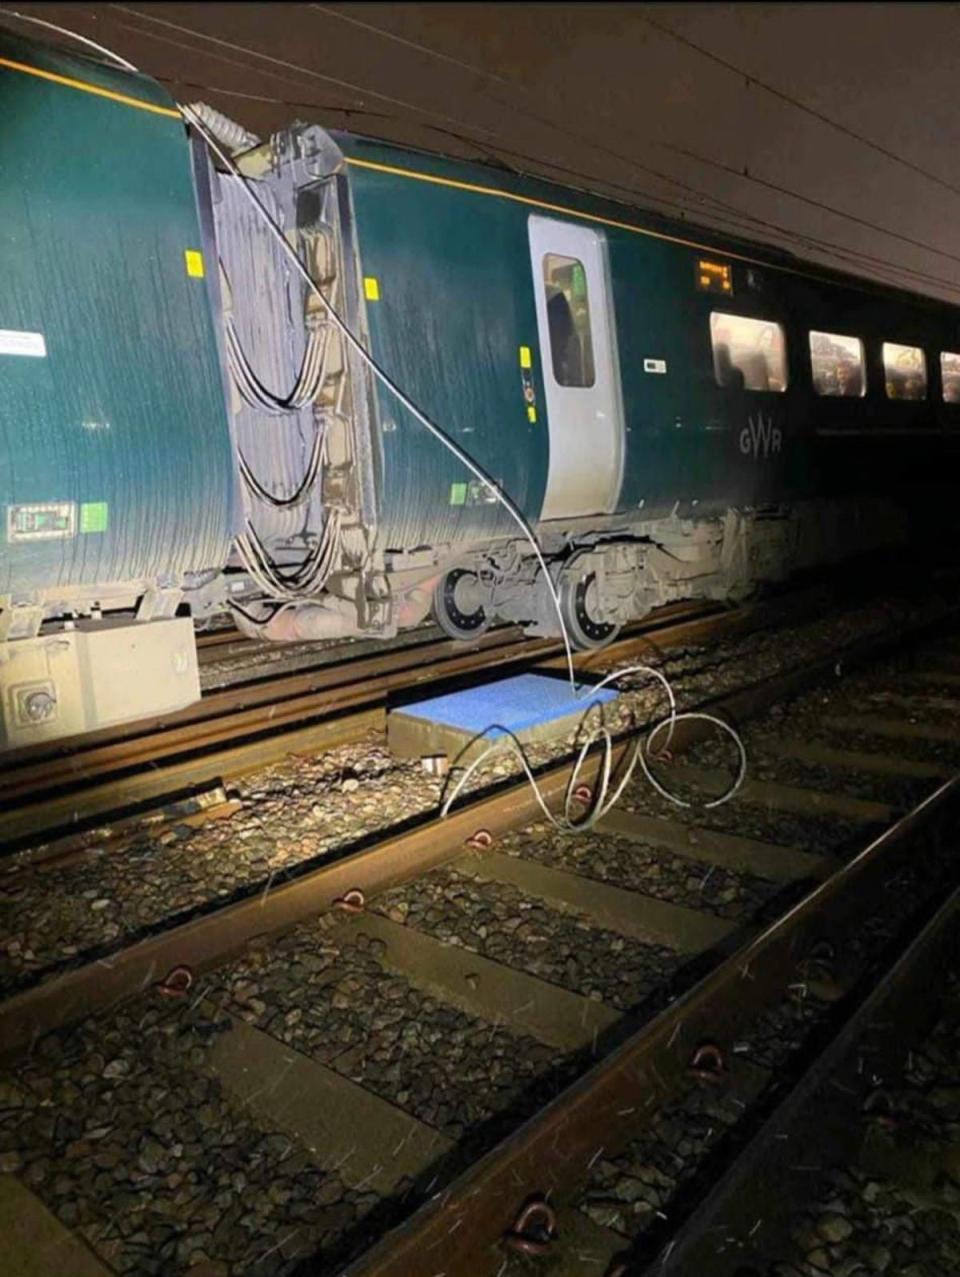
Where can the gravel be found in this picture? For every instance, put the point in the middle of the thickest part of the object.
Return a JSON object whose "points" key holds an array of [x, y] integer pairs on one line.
{"points": [[896, 1208], [877, 693], [632, 1191], [115, 1126], [293, 815], [558, 945], [629, 1193], [296, 814], [779, 1033], [769, 762], [825, 835], [249, 660], [639, 867], [920, 751], [324, 990], [116, 1129], [871, 1224]]}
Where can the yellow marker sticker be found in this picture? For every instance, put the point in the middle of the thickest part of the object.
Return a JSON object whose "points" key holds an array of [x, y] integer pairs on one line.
{"points": [[371, 289], [194, 260], [531, 413], [526, 358]]}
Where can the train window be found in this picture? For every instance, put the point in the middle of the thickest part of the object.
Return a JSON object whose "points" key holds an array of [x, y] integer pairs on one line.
{"points": [[950, 376], [568, 316], [748, 354], [837, 364], [905, 370]]}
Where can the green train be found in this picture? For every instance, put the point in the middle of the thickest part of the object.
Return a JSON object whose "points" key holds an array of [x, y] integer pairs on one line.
{"points": [[201, 337]]}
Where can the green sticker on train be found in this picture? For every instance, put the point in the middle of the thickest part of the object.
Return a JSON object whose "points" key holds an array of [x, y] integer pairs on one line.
{"points": [[93, 516], [458, 493]]}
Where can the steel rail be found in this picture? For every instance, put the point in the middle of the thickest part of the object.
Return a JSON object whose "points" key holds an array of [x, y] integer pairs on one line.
{"points": [[240, 704], [203, 940], [751, 1201], [248, 727], [372, 675], [460, 1230]]}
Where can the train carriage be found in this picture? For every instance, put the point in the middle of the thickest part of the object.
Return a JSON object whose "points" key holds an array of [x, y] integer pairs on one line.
{"points": [[649, 470], [198, 341]]}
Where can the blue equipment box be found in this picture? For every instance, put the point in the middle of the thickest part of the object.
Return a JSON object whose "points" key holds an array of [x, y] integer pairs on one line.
{"points": [[533, 707]]}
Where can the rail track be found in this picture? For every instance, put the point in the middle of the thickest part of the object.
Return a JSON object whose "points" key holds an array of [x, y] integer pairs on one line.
{"points": [[264, 704], [395, 1015], [828, 1108], [233, 730]]}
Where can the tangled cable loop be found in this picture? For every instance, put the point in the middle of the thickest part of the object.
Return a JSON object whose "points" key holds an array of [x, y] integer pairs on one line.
{"points": [[642, 754]]}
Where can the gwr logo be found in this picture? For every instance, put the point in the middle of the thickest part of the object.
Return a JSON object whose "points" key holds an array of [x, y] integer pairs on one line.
{"points": [[761, 438]]}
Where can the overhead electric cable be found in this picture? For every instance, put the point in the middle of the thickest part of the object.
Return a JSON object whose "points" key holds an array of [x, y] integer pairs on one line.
{"points": [[822, 116], [840, 252]]}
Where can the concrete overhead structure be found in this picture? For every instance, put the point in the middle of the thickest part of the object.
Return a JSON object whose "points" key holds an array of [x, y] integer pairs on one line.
{"points": [[826, 128]]}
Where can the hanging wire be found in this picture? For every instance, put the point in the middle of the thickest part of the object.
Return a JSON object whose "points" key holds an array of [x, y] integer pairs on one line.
{"points": [[489, 483], [73, 35], [319, 560], [838, 252], [304, 489], [604, 800], [307, 386]]}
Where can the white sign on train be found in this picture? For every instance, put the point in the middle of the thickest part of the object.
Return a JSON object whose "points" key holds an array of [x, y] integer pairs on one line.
{"points": [[15, 342]]}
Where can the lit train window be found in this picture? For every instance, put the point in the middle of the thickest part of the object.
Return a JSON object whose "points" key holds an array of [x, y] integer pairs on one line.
{"points": [[568, 315], [748, 354], [905, 371], [950, 376], [838, 365]]}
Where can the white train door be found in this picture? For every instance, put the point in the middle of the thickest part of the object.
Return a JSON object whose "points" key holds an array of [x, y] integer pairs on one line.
{"points": [[578, 353]]}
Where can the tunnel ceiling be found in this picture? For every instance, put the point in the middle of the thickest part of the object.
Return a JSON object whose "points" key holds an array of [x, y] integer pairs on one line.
{"points": [[830, 130]]}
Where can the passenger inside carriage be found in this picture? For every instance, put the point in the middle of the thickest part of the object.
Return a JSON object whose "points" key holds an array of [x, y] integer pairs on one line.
{"points": [[849, 380], [564, 343], [748, 353], [728, 375]]}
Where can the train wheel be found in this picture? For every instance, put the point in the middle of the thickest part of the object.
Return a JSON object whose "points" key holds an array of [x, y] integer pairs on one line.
{"points": [[457, 604], [581, 611]]}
